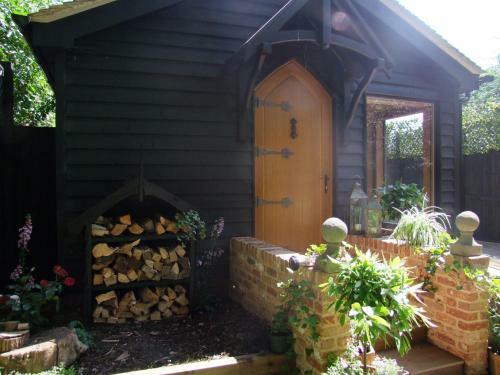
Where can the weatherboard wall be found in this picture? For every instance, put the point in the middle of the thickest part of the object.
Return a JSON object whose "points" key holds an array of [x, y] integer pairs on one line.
{"points": [[150, 89]]}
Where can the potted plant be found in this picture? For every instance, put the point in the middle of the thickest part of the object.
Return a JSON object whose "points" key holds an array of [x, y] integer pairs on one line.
{"points": [[280, 338], [397, 198], [360, 291]]}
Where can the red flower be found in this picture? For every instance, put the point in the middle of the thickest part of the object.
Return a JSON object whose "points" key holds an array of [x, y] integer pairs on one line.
{"points": [[44, 283], [59, 271], [69, 281]]}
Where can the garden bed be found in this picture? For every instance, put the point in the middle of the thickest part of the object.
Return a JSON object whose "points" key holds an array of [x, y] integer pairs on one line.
{"points": [[227, 331]]}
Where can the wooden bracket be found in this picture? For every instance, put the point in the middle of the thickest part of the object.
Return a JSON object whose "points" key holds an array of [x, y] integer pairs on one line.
{"points": [[247, 77], [352, 98]]}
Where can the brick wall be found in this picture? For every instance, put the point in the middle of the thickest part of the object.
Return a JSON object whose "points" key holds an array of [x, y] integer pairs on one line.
{"points": [[458, 307]]}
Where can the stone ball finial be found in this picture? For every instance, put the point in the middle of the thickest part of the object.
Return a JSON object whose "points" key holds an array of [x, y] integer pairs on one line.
{"points": [[467, 221], [334, 230]]}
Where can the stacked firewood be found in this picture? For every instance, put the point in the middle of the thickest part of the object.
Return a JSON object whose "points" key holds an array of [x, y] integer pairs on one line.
{"points": [[145, 304], [132, 262], [124, 225]]}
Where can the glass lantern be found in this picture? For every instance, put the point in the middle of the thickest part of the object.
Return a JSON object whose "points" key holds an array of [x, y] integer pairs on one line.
{"points": [[374, 216], [357, 207]]}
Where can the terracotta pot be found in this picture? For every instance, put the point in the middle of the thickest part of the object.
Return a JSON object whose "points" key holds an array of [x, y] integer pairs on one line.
{"points": [[494, 363]]}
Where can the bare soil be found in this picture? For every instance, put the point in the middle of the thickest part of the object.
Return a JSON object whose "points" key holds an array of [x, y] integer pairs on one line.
{"points": [[227, 331]]}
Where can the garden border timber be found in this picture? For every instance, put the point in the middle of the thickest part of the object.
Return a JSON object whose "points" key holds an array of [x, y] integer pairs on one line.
{"points": [[251, 364], [458, 307]]}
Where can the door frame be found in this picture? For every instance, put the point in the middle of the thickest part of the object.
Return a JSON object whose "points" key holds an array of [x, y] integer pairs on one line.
{"points": [[306, 77]]}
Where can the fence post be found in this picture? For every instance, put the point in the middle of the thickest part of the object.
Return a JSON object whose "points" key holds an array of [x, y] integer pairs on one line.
{"points": [[6, 140]]}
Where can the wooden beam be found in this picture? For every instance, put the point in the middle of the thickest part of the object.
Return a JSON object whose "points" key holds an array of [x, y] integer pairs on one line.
{"points": [[368, 32], [63, 32], [276, 22], [326, 29], [247, 85], [360, 90], [57, 12]]}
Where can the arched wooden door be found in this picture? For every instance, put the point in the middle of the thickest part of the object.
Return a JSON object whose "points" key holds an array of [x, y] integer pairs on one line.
{"points": [[293, 158]]}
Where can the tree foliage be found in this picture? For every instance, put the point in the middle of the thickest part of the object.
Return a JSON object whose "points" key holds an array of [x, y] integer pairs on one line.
{"points": [[481, 117], [34, 101], [404, 139]]}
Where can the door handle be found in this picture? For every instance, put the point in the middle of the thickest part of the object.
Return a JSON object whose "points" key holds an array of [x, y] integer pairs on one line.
{"points": [[326, 179]]}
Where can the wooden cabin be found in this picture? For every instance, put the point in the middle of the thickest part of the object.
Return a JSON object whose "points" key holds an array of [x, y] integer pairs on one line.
{"points": [[264, 112]]}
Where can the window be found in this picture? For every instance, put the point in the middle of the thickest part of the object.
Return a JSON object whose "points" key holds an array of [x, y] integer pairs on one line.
{"points": [[399, 143]]}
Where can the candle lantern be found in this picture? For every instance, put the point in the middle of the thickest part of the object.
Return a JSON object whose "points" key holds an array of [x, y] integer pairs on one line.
{"points": [[357, 207], [374, 216]]}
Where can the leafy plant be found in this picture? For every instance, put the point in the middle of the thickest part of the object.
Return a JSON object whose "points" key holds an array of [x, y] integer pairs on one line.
{"points": [[279, 324], [387, 366], [481, 117], [400, 197], [346, 364], [296, 297], [58, 370], [190, 226], [375, 295], [83, 335], [34, 101], [421, 226], [28, 297]]}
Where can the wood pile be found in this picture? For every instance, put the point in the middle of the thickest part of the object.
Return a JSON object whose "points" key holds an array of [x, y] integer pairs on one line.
{"points": [[131, 262], [124, 225], [141, 305]]}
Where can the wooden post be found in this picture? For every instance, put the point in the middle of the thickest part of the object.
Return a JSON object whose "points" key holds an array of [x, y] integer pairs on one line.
{"points": [[6, 160]]}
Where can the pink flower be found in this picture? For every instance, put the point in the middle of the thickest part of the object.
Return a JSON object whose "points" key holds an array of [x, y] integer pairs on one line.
{"points": [[69, 282], [25, 233], [44, 283]]}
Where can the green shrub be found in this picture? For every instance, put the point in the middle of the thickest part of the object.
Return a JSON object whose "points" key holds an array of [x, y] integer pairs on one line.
{"points": [[400, 197], [84, 336], [375, 295]]}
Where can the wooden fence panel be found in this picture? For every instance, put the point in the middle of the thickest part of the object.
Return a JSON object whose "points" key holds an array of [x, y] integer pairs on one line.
{"points": [[482, 192], [27, 185]]}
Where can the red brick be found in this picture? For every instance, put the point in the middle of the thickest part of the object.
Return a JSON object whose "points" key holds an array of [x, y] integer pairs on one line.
{"points": [[473, 326], [445, 338], [475, 306], [271, 272], [462, 314], [446, 281], [272, 291]]}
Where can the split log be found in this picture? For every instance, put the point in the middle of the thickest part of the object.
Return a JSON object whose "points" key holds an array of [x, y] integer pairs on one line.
{"points": [[122, 278], [98, 230], [157, 257], [128, 247], [137, 254], [102, 250], [140, 309], [173, 256], [98, 279], [179, 289], [175, 269], [125, 219], [163, 253], [101, 298], [132, 275], [155, 315], [149, 297], [180, 310], [171, 293], [118, 229], [136, 229], [148, 225], [182, 300], [159, 229], [127, 300], [180, 251], [167, 314], [121, 264], [172, 228], [163, 221]]}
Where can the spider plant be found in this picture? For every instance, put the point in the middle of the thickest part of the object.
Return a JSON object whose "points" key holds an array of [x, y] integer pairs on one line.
{"points": [[421, 226]]}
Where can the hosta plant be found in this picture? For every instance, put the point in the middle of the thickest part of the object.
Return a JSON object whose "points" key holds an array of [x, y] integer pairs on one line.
{"points": [[399, 197]]}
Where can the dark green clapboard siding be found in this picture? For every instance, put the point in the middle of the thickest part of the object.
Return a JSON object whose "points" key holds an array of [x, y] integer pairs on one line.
{"points": [[149, 89]]}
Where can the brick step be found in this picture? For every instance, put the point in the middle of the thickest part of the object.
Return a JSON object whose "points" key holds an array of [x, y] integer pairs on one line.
{"points": [[418, 336], [427, 359]]}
